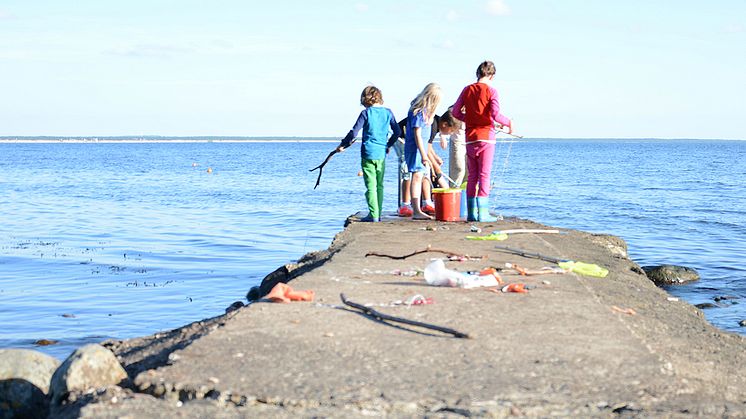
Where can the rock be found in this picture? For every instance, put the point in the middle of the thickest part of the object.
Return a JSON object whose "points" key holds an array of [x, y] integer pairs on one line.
{"points": [[253, 294], [24, 382], [742, 323], [703, 306], [46, 342], [235, 306], [670, 274], [90, 366], [614, 244], [725, 298]]}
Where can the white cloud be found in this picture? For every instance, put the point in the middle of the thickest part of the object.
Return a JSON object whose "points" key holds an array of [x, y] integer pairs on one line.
{"points": [[452, 16], [497, 8], [361, 7]]}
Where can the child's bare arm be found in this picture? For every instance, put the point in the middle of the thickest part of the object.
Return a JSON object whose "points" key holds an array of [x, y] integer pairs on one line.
{"points": [[420, 146]]}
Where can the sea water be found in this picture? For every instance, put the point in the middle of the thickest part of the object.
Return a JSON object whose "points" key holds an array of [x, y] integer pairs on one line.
{"points": [[117, 240]]}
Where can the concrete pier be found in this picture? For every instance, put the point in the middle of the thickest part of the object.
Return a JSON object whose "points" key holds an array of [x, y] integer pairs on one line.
{"points": [[574, 345]]}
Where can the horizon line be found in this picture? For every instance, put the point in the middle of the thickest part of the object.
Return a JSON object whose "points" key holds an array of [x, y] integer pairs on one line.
{"points": [[270, 138]]}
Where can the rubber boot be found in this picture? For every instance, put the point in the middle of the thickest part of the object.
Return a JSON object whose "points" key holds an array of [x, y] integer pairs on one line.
{"points": [[471, 209], [484, 210]]}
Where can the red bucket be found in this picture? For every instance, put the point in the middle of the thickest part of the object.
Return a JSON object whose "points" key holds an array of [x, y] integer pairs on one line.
{"points": [[447, 204]]}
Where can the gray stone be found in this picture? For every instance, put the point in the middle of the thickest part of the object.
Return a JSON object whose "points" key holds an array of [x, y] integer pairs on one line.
{"points": [[24, 382], [614, 244], [91, 366], [235, 306], [670, 274]]}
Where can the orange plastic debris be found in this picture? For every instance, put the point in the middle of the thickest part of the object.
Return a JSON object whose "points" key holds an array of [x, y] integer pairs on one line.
{"points": [[493, 272], [306, 295], [521, 270], [628, 311], [519, 287], [284, 293]]}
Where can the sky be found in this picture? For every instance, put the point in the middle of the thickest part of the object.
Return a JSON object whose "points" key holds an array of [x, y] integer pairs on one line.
{"points": [[565, 68]]}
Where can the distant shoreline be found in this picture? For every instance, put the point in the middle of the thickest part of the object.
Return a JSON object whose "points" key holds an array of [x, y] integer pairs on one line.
{"points": [[110, 140], [176, 140]]}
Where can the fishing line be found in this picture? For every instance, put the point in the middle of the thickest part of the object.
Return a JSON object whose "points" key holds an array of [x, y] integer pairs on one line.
{"points": [[452, 182], [497, 181], [305, 244]]}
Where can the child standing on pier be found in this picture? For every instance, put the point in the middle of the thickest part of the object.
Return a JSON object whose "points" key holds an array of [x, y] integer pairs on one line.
{"points": [[419, 120], [454, 129], [479, 108], [376, 122]]}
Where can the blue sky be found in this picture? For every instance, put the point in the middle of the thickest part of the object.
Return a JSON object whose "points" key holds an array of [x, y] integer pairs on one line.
{"points": [[570, 68]]}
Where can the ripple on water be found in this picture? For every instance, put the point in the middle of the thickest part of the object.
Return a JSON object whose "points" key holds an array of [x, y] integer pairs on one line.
{"points": [[131, 239]]}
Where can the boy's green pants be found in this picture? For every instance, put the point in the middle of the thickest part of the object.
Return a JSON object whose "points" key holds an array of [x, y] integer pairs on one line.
{"points": [[373, 178]]}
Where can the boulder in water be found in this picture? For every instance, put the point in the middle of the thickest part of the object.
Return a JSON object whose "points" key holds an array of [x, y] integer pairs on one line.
{"points": [[670, 274], [24, 382]]}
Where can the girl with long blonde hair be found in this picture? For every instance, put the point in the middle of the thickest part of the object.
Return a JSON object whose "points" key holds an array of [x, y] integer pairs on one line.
{"points": [[419, 121]]}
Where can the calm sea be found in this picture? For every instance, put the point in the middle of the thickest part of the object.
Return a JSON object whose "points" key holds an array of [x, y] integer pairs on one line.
{"points": [[102, 240]]}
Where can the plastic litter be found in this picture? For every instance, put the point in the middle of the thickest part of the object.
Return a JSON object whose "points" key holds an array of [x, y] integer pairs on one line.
{"points": [[627, 311], [284, 293], [488, 271], [437, 274], [515, 287], [496, 236], [542, 271], [583, 268], [399, 272], [419, 300], [415, 300]]}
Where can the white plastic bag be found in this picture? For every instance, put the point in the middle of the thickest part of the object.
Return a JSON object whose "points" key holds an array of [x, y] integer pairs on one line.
{"points": [[437, 274]]}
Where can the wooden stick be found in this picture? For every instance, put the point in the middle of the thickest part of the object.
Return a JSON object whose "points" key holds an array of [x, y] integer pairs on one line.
{"points": [[326, 160], [416, 252], [383, 317]]}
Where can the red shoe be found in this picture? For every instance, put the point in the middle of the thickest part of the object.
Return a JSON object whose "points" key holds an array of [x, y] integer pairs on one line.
{"points": [[428, 209], [405, 211]]}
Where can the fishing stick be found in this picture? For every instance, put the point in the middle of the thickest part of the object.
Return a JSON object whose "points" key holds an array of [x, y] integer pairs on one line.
{"points": [[383, 317], [506, 132], [524, 253], [582, 268], [326, 160]]}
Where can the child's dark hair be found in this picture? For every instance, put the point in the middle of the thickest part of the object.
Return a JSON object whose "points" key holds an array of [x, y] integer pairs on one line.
{"points": [[371, 95], [448, 118], [486, 69]]}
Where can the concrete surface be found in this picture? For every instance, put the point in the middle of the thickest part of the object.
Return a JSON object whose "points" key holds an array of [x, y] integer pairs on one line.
{"points": [[573, 346]]}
